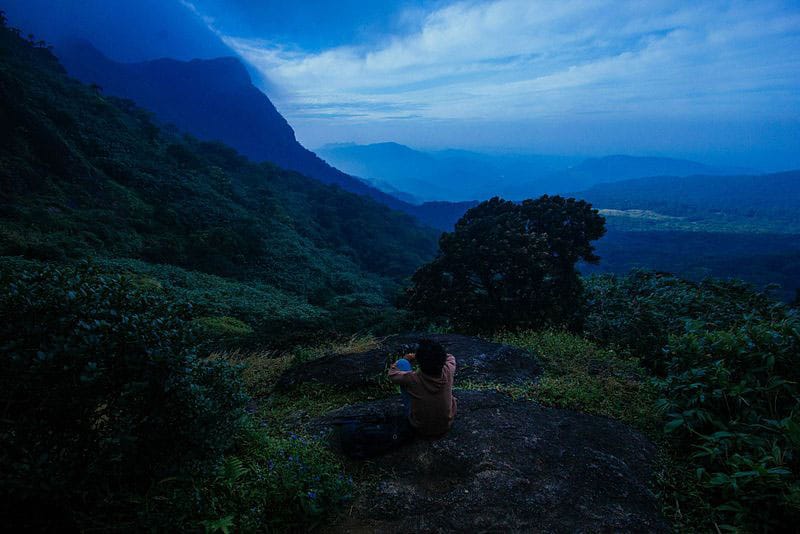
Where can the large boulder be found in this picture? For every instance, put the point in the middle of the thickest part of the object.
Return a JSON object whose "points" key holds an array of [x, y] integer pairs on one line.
{"points": [[506, 466], [477, 359]]}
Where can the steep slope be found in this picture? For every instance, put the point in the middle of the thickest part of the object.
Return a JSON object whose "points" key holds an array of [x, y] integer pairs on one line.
{"points": [[214, 100], [82, 175], [126, 30]]}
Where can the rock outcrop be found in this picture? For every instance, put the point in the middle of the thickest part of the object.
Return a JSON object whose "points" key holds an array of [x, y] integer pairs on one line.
{"points": [[507, 466], [477, 360]]}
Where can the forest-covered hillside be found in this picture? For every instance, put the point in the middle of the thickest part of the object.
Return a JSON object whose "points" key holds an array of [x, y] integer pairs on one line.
{"points": [[214, 100], [86, 175]]}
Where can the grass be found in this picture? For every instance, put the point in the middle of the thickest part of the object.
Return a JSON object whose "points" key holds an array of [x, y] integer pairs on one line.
{"points": [[351, 345], [298, 465], [578, 375], [259, 370], [581, 376], [288, 411], [285, 411]]}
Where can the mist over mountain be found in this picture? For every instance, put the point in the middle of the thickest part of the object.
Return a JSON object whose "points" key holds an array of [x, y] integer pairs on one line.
{"points": [[460, 175], [612, 169], [213, 99], [124, 30], [446, 175]]}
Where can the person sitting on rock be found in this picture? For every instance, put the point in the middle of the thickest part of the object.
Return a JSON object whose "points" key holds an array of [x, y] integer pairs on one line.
{"points": [[428, 392]]}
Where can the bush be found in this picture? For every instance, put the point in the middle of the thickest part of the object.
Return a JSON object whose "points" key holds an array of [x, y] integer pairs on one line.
{"points": [[638, 312], [274, 483], [103, 395], [732, 400]]}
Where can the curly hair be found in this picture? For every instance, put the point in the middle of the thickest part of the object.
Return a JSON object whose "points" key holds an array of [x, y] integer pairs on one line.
{"points": [[431, 357]]}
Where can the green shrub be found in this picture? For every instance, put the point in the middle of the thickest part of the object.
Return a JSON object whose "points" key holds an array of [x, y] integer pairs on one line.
{"points": [[103, 395], [733, 403], [274, 483], [638, 312]]}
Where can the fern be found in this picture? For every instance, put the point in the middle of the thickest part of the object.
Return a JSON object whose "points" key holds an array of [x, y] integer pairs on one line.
{"points": [[223, 524], [231, 470]]}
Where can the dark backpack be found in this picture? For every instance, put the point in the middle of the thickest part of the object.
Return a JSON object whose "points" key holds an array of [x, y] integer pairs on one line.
{"points": [[370, 436]]}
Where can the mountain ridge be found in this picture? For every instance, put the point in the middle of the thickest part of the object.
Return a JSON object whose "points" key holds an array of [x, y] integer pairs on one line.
{"points": [[463, 175], [197, 98]]}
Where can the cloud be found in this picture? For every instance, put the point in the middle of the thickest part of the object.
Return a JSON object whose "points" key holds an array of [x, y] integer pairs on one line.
{"points": [[510, 59]]}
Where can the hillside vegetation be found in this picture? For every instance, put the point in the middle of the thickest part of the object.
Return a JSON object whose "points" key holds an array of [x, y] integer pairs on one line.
{"points": [[88, 175], [215, 100]]}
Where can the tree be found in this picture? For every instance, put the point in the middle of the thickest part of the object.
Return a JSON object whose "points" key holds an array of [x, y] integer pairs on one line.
{"points": [[510, 265]]}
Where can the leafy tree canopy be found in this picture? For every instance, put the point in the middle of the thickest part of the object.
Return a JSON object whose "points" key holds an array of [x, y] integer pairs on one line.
{"points": [[510, 265]]}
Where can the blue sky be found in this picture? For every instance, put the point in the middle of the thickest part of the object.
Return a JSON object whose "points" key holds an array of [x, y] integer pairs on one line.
{"points": [[710, 80]]}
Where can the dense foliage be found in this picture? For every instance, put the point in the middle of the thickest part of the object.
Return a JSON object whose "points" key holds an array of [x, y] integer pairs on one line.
{"points": [[638, 313], [274, 483], [733, 401], [103, 394], [726, 358], [510, 265], [113, 420]]}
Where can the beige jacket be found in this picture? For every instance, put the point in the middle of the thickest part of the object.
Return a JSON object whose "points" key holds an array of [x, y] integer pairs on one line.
{"points": [[433, 406]]}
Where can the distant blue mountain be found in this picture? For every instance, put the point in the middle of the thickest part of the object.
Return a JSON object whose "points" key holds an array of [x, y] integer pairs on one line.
{"points": [[616, 168], [447, 175], [459, 175], [751, 199], [213, 99]]}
